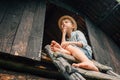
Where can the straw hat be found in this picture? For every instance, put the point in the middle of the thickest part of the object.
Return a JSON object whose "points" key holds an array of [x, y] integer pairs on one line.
{"points": [[67, 17]]}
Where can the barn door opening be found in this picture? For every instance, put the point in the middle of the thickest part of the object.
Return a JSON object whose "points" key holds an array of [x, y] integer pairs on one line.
{"points": [[51, 30]]}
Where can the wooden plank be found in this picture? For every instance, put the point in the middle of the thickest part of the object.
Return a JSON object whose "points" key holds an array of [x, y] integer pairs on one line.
{"points": [[67, 70], [36, 36], [111, 24], [63, 66], [11, 75], [30, 70], [21, 39], [64, 5], [3, 7], [104, 49], [99, 9], [9, 25]]}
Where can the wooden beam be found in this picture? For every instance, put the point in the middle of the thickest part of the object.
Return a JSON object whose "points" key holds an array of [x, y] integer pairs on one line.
{"points": [[66, 68], [66, 6], [22, 68]]}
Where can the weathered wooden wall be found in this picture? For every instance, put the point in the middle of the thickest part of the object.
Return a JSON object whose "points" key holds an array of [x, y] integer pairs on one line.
{"points": [[104, 49], [105, 14], [111, 24], [21, 27]]}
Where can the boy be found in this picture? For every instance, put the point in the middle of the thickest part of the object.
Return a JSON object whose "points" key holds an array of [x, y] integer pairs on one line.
{"points": [[74, 43]]}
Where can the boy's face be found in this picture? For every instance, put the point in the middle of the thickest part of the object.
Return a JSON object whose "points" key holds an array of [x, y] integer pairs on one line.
{"points": [[67, 24]]}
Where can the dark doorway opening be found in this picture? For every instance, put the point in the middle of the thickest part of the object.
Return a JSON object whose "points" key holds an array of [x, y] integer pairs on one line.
{"points": [[51, 30]]}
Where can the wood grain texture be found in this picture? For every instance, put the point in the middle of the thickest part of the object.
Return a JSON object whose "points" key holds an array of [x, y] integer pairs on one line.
{"points": [[104, 49], [36, 36], [9, 25], [21, 38]]}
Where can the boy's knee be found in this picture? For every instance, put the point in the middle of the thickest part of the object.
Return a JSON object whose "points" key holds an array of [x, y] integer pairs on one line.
{"points": [[69, 47]]}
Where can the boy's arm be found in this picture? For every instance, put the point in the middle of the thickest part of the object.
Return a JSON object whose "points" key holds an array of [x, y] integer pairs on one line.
{"points": [[76, 43], [63, 37]]}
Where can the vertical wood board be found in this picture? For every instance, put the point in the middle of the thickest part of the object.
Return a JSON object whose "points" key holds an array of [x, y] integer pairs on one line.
{"points": [[36, 36], [104, 49], [9, 25], [23, 32]]}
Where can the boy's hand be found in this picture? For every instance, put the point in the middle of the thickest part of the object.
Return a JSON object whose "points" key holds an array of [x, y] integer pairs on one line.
{"points": [[65, 44], [64, 29]]}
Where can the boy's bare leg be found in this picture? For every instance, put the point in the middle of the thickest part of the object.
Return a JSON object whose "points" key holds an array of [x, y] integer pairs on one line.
{"points": [[86, 65], [84, 61], [78, 54]]}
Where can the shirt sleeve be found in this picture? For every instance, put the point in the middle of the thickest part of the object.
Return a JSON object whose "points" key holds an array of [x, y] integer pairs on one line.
{"points": [[81, 37]]}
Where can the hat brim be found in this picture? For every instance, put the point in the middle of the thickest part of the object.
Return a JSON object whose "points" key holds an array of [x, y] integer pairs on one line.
{"points": [[67, 17]]}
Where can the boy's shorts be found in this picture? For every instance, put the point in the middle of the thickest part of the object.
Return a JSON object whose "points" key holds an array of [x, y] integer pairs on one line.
{"points": [[86, 52]]}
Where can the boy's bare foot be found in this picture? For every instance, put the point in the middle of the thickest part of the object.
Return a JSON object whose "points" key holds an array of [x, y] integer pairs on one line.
{"points": [[52, 47], [55, 46], [86, 65]]}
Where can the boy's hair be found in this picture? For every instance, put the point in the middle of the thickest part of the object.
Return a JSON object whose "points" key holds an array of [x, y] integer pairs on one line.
{"points": [[67, 17]]}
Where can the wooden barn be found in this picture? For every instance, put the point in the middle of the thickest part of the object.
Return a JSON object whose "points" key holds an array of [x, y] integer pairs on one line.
{"points": [[28, 26]]}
